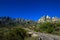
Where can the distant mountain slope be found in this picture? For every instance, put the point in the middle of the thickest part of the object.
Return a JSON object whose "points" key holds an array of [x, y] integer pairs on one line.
{"points": [[49, 19], [10, 22]]}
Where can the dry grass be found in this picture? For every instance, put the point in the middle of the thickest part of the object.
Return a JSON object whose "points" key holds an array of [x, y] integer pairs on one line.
{"points": [[32, 38]]}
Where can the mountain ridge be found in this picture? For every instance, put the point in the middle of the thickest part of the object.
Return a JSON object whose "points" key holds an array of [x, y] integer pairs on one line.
{"points": [[48, 19]]}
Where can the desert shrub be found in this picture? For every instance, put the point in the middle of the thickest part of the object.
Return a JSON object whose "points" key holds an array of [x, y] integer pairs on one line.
{"points": [[13, 34], [46, 27]]}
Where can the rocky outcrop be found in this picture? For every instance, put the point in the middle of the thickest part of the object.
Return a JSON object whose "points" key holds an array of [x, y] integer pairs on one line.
{"points": [[48, 37], [48, 19], [43, 36]]}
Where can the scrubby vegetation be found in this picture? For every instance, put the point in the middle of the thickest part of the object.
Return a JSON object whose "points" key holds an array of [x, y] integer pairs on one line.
{"points": [[12, 34], [48, 27], [12, 28]]}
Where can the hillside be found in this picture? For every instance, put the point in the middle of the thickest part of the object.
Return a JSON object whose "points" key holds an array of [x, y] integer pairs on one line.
{"points": [[20, 29], [11, 22]]}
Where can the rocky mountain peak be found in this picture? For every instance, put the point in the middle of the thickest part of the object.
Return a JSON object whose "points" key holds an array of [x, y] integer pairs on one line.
{"points": [[48, 19]]}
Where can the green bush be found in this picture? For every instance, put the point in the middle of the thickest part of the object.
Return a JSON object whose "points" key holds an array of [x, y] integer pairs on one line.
{"points": [[46, 27], [13, 34]]}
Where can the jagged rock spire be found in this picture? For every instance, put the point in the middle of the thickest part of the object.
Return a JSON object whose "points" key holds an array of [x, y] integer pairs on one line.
{"points": [[49, 19]]}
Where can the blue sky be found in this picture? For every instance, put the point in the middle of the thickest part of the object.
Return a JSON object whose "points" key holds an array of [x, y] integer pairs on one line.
{"points": [[29, 9]]}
